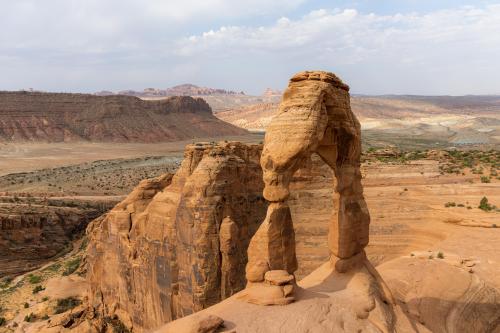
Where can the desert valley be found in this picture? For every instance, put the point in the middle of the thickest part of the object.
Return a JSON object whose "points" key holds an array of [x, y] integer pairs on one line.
{"points": [[251, 166], [429, 172]]}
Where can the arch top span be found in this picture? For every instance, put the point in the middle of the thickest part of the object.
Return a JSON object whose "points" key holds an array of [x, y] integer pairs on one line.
{"points": [[314, 117]]}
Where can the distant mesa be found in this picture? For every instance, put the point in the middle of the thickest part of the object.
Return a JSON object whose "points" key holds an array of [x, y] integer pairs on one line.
{"points": [[62, 117]]}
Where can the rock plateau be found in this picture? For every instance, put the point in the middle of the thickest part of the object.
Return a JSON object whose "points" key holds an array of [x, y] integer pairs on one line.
{"points": [[62, 117]]}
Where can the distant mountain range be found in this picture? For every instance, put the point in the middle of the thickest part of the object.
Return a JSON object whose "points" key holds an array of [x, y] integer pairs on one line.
{"points": [[179, 90]]}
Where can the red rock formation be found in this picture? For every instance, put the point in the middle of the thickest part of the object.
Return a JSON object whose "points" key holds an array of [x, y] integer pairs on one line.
{"points": [[55, 117], [314, 117], [182, 248], [32, 234]]}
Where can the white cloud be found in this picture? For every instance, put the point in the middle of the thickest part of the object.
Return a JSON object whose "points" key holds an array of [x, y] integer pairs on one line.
{"points": [[460, 43], [112, 44]]}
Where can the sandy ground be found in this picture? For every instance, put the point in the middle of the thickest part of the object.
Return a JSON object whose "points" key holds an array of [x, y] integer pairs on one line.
{"points": [[410, 220], [22, 157]]}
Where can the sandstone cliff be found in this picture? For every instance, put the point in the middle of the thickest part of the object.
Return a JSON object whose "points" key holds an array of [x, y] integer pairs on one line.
{"points": [[60, 117], [32, 234], [178, 244]]}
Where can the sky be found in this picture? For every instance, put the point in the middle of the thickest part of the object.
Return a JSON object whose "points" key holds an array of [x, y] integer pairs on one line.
{"points": [[426, 47]]}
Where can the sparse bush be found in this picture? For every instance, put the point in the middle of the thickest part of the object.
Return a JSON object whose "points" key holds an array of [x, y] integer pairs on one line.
{"points": [[26, 305], [34, 279], [484, 205], [450, 204], [66, 304], [45, 299], [53, 268], [72, 266], [30, 318], [5, 282], [37, 289], [116, 325], [84, 244], [45, 317], [3, 321], [440, 255], [460, 205], [485, 179]]}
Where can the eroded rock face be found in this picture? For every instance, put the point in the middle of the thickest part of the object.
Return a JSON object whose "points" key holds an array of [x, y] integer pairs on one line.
{"points": [[444, 294], [182, 247], [61, 117], [33, 233], [314, 117]]}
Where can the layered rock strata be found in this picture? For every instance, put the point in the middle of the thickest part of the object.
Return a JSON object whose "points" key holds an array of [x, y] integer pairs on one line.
{"points": [[182, 246], [31, 234], [61, 117]]}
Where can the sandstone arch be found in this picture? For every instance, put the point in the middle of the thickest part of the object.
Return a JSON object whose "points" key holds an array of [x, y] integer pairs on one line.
{"points": [[314, 117]]}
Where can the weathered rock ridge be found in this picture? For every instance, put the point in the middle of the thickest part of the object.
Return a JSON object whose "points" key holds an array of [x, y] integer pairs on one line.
{"points": [[62, 117], [178, 244], [33, 233]]}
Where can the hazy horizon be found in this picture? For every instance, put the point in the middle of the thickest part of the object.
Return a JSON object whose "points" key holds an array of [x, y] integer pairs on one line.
{"points": [[353, 94]]}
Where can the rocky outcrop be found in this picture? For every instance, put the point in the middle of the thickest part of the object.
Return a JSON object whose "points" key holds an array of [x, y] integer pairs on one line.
{"points": [[347, 293], [33, 233], [444, 294], [61, 117], [182, 246], [314, 117]]}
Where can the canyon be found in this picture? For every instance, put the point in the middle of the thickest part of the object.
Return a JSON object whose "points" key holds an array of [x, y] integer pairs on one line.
{"points": [[410, 225], [36, 230]]}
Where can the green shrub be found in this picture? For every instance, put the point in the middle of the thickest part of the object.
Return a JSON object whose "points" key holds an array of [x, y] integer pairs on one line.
{"points": [[66, 304], [485, 179], [3, 321], [37, 289], [71, 266], [5, 282], [45, 299], [34, 279], [26, 305], [484, 205], [30, 318], [53, 268], [440, 255]]}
